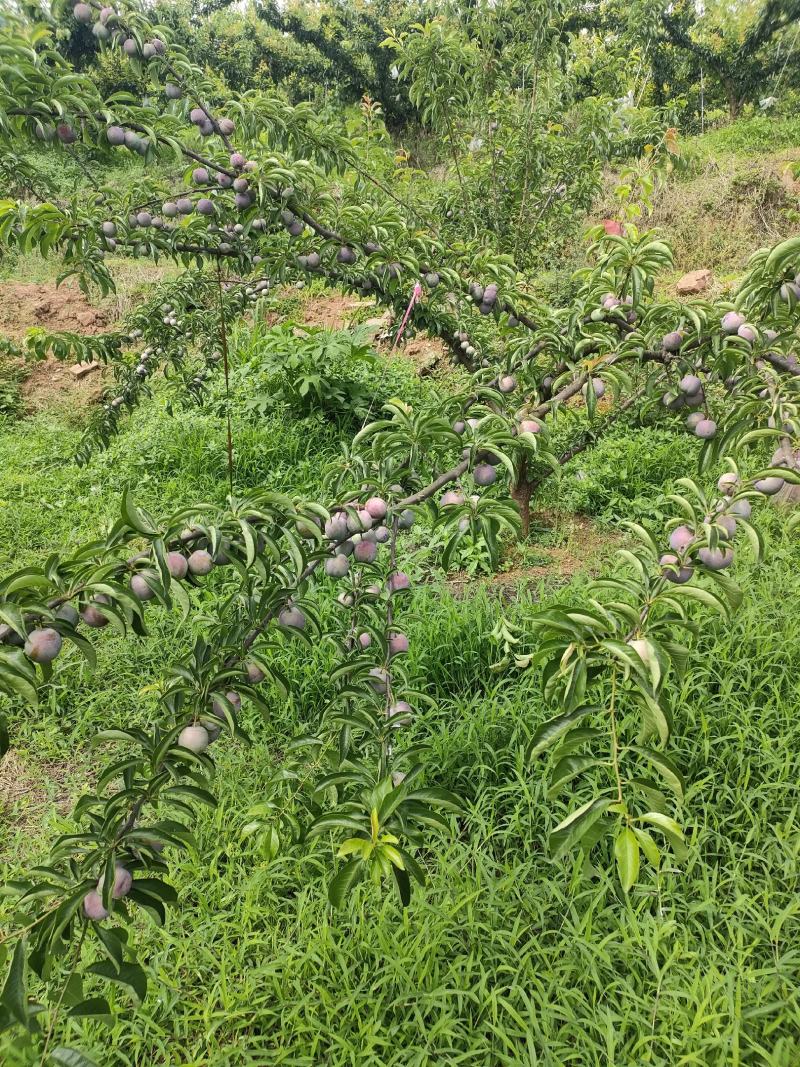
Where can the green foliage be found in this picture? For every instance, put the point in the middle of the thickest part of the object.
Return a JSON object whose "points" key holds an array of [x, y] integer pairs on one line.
{"points": [[352, 788]]}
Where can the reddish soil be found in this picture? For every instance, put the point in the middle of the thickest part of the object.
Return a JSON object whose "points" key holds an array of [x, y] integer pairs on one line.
{"points": [[334, 312], [62, 307]]}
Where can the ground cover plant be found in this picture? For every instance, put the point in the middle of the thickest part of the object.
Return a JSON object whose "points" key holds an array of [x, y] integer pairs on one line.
{"points": [[319, 759]]}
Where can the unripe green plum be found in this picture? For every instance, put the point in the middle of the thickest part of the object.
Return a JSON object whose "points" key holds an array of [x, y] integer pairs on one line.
{"points": [[173, 92], [195, 738], [432, 279], [406, 519], [93, 906], [337, 567], [705, 429], [177, 565], [484, 474], [673, 571], [42, 646], [200, 562]]}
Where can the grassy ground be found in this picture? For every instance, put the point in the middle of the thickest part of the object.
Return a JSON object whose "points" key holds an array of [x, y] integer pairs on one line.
{"points": [[507, 957]]}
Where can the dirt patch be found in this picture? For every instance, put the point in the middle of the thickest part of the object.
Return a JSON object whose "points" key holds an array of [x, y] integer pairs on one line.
{"points": [[426, 353], [334, 312], [55, 308], [49, 383], [583, 547]]}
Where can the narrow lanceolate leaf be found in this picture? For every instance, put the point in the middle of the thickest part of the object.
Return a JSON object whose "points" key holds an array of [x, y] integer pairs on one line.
{"points": [[550, 731], [569, 831], [70, 1057], [343, 882], [665, 767], [626, 851], [13, 996]]}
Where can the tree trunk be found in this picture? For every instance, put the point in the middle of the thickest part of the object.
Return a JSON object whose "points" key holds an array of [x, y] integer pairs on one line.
{"points": [[521, 495]]}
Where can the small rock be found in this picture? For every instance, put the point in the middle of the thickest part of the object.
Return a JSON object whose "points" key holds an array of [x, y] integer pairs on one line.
{"points": [[80, 370], [696, 281]]}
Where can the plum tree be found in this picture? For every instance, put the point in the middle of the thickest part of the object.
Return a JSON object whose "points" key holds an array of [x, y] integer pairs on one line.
{"points": [[269, 203]]}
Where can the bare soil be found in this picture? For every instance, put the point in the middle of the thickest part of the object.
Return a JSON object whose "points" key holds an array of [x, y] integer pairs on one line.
{"points": [[584, 547], [50, 383], [54, 308]]}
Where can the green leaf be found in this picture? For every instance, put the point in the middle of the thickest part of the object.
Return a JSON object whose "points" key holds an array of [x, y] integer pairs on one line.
{"points": [[665, 767], [13, 995], [551, 730], [344, 881], [129, 974], [569, 831], [90, 1006], [626, 851], [70, 1057]]}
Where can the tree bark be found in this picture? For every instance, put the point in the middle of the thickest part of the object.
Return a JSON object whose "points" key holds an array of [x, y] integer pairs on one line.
{"points": [[521, 494]]}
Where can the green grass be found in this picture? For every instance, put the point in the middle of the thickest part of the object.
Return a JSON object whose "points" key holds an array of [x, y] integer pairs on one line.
{"points": [[506, 957]]}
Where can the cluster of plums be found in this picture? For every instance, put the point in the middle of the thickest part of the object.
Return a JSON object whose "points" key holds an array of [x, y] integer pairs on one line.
{"points": [[689, 547], [359, 532], [93, 907], [484, 297]]}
